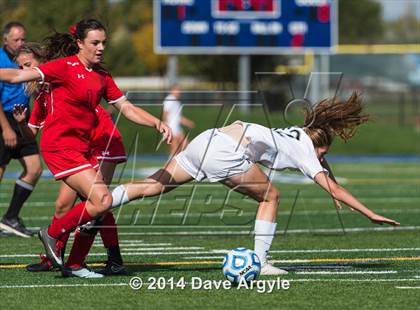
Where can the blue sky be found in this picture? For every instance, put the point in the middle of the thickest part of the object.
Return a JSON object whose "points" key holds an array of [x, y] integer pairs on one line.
{"points": [[393, 9]]}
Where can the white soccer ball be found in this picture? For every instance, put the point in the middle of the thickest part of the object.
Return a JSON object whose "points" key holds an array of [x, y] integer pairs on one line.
{"points": [[241, 263]]}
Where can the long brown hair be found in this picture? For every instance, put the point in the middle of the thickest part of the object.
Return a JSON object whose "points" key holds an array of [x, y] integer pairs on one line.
{"points": [[65, 44], [334, 117], [38, 53]]}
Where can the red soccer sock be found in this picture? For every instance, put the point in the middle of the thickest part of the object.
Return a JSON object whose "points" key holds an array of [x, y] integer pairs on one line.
{"points": [[80, 249], [108, 231], [78, 215]]}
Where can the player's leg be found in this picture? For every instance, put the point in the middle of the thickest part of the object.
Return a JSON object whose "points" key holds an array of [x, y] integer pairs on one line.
{"points": [[87, 183], [84, 237], [255, 184], [162, 181], [23, 188], [64, 202]]}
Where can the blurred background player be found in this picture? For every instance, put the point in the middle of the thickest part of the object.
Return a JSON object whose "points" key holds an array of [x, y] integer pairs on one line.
{"points": [[172, 115], [12, 144]]}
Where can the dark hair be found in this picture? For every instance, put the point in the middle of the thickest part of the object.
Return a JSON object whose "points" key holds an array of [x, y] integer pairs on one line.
{"points": [[10, 25], [65, 44], [331, 117]]}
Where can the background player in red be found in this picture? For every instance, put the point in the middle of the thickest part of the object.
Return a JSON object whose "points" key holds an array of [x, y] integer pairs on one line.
{"points": [[78, 84], [106, 139]]}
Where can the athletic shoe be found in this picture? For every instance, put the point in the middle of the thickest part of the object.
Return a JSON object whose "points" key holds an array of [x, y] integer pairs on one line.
{"points": [[269, 270], [44, 265], [113, 269], [90, 227], [50, 247], [15, 226], [81, 272]]}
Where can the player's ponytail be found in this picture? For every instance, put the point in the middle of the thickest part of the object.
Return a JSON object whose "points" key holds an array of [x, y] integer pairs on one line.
{"points": [[333, 117], [65, 44]]}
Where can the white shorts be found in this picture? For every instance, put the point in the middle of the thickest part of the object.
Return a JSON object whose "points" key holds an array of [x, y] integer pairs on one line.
{"points": [[213, 155]]}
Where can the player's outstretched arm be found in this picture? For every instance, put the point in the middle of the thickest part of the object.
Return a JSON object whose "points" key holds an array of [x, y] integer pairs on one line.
{"points": [[15, 76], [339, 193], [142, 117], [325, 165]]}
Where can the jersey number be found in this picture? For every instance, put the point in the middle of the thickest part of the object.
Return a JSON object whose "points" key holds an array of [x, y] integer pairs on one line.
{"points": [[291, 133]]}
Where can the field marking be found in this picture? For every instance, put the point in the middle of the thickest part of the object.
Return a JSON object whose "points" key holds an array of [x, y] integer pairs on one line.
{"points": [[282, 213], [218, 262], [348, 272], [249, 232], [407, 287], [62, 285], [291, 280]]}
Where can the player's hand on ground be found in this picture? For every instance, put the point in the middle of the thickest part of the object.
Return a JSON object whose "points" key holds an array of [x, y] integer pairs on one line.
{"points": [[165, 131], [379, 219], [19, 112]]}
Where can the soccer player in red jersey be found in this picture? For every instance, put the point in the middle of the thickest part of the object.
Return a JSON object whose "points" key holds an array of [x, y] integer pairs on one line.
{"points": [[107, 147], [78, 83]]}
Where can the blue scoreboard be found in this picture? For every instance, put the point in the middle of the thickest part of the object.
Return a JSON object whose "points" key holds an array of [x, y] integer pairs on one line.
{"points": [[244, 26]]}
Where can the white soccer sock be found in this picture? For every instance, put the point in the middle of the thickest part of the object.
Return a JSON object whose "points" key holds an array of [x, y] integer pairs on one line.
{"points": [[119, 196], [264, 234]]}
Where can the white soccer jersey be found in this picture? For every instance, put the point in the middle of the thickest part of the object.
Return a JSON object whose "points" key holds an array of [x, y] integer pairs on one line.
{"points": [[173, 107], [279, 149]]}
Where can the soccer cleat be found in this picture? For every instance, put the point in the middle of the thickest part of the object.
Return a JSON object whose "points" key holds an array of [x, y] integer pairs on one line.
{"points": [[81, 272], [15, 226], [44, 265], [113, 269], [269, 270], [91, 227], [50, 247]]}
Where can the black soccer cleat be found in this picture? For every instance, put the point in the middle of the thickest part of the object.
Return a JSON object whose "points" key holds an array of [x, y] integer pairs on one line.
{"points": [[113, 269], [50, 247], [15, 226], [44, 265]]}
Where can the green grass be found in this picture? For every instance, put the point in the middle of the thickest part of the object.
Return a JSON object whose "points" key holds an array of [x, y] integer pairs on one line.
{"points": [[313, 243]]}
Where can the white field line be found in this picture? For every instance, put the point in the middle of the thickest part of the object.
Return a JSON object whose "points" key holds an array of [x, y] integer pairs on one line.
{"points": [[348, 272], [221, 201], [408, 287], [128, 245], [228, 214], [126, 284], [160, 249], [248, 232], [346, 250], [63, 285]]}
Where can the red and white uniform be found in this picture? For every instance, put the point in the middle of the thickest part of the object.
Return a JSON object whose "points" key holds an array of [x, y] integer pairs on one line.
{"points": [[76, 92]]}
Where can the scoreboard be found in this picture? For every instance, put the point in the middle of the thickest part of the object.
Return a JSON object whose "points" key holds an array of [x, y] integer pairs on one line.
{"points": [[244, 26]]}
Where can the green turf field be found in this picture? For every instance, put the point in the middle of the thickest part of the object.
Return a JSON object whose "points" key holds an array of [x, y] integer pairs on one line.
{"points": [[335, 262]]}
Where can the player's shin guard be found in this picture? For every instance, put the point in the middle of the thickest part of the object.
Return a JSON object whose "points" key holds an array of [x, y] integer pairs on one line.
{"points": [[78, 215], [264, 234]]}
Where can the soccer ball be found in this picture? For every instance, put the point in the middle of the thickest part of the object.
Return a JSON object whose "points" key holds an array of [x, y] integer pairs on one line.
{"points": [[241, 263]]}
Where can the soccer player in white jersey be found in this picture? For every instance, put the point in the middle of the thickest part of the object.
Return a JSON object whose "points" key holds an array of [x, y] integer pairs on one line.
{"points": [[172, 115], [229, 155]]}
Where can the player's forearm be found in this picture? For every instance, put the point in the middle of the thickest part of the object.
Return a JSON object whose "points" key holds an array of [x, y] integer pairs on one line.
{"points": [[344, 196], [15, 76], [140, 116]]}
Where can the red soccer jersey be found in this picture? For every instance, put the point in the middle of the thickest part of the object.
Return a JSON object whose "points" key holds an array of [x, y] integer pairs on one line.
{"points": [[42, 104], [105, 130], [75, 93]]}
